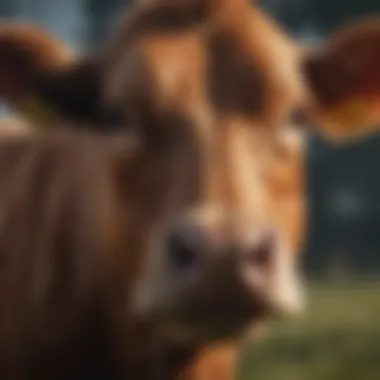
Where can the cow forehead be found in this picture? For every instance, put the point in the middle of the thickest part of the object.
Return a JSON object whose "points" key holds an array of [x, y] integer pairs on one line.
{"points": [[210, 74], [210, 82], [177, 66], [242, 72]]}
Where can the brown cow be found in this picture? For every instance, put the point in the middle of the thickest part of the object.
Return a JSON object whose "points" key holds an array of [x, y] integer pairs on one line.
{"points": [[120, 261], [273, 67]]}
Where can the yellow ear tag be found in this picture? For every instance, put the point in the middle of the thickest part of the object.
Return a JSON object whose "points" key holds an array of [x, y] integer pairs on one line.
{"points": [[37, 112]]}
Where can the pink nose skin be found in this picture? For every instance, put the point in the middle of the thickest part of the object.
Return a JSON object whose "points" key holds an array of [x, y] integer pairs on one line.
{"points": [[261, 253], [259, 260]]}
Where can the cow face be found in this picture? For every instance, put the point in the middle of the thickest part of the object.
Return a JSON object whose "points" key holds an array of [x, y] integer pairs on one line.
{"points": [[197, 89]]}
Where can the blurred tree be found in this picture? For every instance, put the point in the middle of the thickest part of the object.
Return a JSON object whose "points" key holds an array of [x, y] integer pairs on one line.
{"points": [[294, 14], [344, 189], [329, 15], [7, 8], [101, 15], [64, 17]]}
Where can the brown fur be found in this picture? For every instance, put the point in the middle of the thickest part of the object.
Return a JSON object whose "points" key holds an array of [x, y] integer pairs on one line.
{"points": [[61, 193], [13, 127], [69, 251]]}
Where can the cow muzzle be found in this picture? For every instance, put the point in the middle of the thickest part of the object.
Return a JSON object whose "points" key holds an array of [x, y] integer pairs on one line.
{"points": [[207, 288]]}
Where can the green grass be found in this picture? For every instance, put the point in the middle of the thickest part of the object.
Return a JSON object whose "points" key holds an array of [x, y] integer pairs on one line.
{"points": [[337, 339]]}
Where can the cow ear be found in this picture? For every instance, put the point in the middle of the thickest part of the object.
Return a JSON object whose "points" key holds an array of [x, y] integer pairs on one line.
{"points": [[26, 51], [346, 66], [343, 75], [41, 79], [72, 95]]}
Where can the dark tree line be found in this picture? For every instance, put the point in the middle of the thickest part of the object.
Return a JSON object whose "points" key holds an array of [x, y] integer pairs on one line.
{"points": [[296, 15], [323, 15]]}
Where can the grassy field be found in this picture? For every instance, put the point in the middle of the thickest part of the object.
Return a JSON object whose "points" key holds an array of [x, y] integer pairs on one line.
{"points": [[338, 338]]}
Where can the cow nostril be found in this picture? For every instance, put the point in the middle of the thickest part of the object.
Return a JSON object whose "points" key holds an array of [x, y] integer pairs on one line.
{"points": [[261, 255], [184, 246]]}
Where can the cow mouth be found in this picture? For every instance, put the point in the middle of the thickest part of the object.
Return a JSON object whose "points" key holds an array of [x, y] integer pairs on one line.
{"points": [[211, 327], [225, 300], [211, 320]]}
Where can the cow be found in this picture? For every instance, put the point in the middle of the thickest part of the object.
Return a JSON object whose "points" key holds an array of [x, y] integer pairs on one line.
{"points": [[275, 67], [137, 255], [281, 83]]}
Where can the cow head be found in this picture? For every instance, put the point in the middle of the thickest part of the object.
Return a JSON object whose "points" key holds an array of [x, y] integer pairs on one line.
{"points": [[204, 90], [206, 87]]}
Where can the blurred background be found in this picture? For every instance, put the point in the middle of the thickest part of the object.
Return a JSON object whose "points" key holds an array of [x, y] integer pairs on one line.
{"points": [[339, 339]]}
